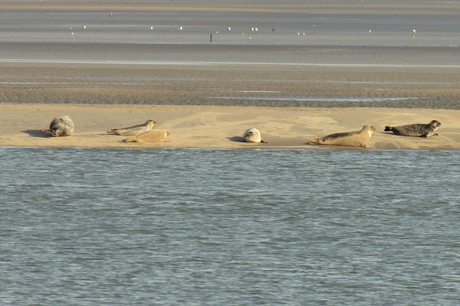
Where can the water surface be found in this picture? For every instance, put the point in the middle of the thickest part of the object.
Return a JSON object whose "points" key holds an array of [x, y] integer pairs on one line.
{"points": [[229, 227]]}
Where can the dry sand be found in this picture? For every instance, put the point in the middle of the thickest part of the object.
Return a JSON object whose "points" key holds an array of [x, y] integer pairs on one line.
{"points": [[221, 126]]}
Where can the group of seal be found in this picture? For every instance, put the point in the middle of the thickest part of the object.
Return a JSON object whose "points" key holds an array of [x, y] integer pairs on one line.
{"points": [[64, 126], [361, 138], [141, 132]]}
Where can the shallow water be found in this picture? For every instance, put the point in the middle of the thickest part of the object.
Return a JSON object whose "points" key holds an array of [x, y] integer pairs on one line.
{"points": [[436, 24], [229, 227]]}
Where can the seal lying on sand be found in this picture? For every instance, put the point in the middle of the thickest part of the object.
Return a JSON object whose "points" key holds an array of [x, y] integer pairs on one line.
{"points": [[252, 135], [61, 126], [416, 130], [134, 130], [149, 136], [351, 139]]}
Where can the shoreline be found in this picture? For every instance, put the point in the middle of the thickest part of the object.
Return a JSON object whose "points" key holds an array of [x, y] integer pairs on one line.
{"points": [[193, 126]]}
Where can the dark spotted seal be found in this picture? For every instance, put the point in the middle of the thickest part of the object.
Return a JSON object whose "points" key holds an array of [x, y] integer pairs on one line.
{"points": [[416, 130], [61, 126], [133, 130], [351, 139], [252, 135]]}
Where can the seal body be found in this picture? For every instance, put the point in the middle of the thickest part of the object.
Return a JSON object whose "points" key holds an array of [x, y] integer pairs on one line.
{"points": [[351, 139], [149, 136], [416, 130], [61, 126], [252, 135], [133, 130]]}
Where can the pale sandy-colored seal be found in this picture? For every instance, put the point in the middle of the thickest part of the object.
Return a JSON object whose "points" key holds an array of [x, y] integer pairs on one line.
{"points": [[133, 130], [61, 126], [149, 136], [416, 130], [252, 135], [351, 139]]}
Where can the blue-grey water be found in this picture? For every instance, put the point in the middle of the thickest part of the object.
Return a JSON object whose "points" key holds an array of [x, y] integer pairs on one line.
{"points": [[85, 226]]}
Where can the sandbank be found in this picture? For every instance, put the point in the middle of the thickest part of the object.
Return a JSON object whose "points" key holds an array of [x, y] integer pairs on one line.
{"points": [[193, 126]]}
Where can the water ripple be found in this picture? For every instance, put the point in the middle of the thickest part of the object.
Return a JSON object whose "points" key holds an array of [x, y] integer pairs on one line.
{"points": [[116, 226]]}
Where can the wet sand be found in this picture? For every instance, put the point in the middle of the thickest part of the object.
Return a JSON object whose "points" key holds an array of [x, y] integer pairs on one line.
{"points": [[231, 85]]}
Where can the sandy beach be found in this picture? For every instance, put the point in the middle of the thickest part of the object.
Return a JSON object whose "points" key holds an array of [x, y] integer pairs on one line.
{"points": [[206, 73], [221, 126]]}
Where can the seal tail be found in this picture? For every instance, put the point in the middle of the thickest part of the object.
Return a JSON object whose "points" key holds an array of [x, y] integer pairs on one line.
{"points": [[111, 130], [388, 128], [314, 141]]}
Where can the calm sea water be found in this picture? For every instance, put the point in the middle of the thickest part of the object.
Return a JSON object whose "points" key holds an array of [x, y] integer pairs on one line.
{"points": [[229, 227]]}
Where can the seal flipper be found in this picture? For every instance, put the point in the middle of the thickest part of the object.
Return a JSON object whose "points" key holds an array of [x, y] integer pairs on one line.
{"points": [[46, 131]]}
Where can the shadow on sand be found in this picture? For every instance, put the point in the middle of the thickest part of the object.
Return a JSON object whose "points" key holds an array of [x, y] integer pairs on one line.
{"points": [[236, 139], [37, 133]]}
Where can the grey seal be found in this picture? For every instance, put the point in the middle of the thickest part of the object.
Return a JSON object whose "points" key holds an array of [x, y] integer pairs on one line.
{"points": [[133, 130], [61, 126], [416, 130], [252, 135], [149, 136], [351, 139]]}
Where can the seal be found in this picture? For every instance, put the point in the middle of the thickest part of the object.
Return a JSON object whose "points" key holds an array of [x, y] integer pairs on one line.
{"points": [[350, 139], [149, 136], [252, 135], [61, 126], [416, 130], [133, 130]]}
